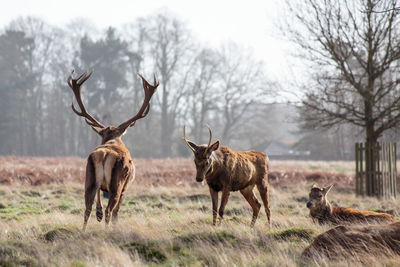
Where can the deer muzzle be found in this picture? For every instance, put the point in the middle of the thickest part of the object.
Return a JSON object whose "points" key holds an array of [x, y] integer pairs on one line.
{"points": [[199, 179]]}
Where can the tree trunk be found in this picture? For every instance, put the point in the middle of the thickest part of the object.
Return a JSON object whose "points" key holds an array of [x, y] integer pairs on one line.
{"points": [[165, 127], [371, 157]]}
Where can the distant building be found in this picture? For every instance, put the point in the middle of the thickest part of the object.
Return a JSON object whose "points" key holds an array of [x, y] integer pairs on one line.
{"points": [[280, 150]]}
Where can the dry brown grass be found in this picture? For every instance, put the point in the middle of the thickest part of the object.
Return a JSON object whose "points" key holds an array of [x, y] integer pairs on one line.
{"points": [[362, 242], [166, 172], [165, 218]]}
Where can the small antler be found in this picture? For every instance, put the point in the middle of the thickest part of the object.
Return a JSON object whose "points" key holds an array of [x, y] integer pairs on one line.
{"points": [[76, 85], [209, 140], [149, 90], [186, 141]]}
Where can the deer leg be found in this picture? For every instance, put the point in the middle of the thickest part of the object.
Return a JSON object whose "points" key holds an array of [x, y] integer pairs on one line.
{"points": [[89, 199], [224, 201], [263, 189], [90, 191], [214, 199], [253, 201], [121, 198], [112, 174], [112, 203], [99, 208], [115, 212]]}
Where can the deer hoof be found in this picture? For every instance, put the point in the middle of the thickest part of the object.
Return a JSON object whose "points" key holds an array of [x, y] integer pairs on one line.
{"points": [[99, 215]]}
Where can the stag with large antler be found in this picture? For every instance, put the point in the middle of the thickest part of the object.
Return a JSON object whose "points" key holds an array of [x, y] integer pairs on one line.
{"points": [[227, 170], [109, 167]]}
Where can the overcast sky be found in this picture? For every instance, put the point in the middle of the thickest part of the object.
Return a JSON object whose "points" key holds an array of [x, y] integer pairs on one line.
{"points": [[250, 23]]}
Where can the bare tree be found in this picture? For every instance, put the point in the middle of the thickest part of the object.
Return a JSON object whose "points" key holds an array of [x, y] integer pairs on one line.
{"points": [[198, 85], [16, 81], [242, 82], [136, 36], [203, 94], [170, 46], [355, 53], [45, 125], [354, 49]]}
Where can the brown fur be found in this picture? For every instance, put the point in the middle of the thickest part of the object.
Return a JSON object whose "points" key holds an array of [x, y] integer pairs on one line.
{"points": [[323, 212], [110, 166], [122, 173], [356, 242], [227, 170]]}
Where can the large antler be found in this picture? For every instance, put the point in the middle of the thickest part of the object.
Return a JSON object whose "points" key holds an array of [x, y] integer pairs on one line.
{"points": [[76, 85], [149, 90]]}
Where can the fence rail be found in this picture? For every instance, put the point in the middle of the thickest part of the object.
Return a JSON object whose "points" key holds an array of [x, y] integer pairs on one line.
{"points": [[376, 171]]}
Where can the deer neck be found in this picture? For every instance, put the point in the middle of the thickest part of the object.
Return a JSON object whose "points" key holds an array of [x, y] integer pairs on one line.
{"points": [[115, 140], [215, 165], [322, 212]]}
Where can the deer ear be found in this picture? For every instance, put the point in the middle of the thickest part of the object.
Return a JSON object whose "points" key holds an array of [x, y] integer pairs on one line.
{"points": [[214, 146], [124, 132], [97, 129], [327, 189], [193, 145]]}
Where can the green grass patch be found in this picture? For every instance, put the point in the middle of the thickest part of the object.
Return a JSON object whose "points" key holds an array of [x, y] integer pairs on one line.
{"points": [[77, 211], [157, 204], [234, 211], [166, 198], [211, 237], [147, 251], [131, 202], [64, 206], [194, 198], [17, 213], [16, 254], [59, 192], [77, 263], [31, 193], [183, 256], [18, 262], [146, 198], [292, 234]]}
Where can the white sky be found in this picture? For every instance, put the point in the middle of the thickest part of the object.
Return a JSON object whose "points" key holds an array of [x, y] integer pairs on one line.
{"points": [[249, 23]]}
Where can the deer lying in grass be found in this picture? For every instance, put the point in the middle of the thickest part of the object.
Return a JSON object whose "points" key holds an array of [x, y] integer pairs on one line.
{"points": [[357, 242], [323, 212], [109, 167], [227, 170]]}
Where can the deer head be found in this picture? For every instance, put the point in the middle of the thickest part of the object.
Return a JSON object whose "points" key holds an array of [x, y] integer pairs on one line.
{"points": [[202, 155], [109, 132], [317, 197]]}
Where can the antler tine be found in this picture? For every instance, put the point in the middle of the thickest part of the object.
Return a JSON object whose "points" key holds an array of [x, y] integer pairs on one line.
{"points": [[81, 79], [186, 141], [77, 79], [149, 90], [75, 85], [209, 140]]}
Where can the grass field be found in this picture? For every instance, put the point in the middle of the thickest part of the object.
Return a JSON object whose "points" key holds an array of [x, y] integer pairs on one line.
{"points": [[165, 218]]}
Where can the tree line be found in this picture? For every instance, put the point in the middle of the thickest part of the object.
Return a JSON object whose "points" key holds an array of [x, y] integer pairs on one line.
{"points": [[350, 85], [224, 87]]}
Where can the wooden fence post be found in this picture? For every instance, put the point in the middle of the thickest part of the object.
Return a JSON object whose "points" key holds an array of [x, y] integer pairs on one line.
{"points": [[376, 170]]}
